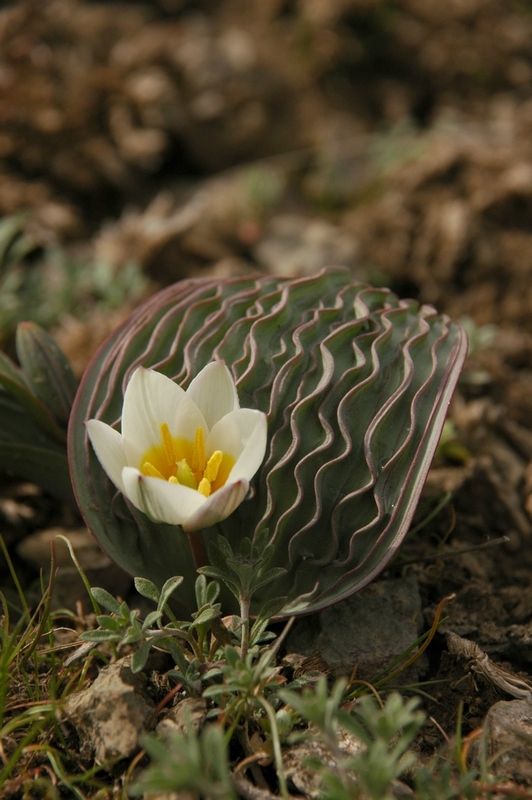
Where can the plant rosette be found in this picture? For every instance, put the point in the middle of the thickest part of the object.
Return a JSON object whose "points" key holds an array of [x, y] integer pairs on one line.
{"points": [[354, 385]]}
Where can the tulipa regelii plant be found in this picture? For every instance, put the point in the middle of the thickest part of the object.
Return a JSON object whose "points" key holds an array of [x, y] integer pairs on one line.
{"points": [[354, 386]]}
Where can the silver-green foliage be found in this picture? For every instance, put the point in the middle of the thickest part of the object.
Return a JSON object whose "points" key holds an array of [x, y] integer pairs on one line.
{"points": [[355, 383], [385, 733]]}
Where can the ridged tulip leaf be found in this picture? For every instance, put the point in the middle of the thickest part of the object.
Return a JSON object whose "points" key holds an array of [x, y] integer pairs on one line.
{"points": [[355, 384]]}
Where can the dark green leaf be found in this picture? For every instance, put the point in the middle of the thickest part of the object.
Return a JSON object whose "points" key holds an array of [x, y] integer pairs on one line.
{"points": [[108, 623], [14, 383], [46, 369]]}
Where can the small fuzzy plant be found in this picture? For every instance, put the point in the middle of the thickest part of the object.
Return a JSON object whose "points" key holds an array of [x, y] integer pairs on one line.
{"points": [[302, 413]]}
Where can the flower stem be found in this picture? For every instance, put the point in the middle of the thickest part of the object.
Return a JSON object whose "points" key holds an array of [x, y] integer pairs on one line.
{"points": [[244, 614], [198, 549]]}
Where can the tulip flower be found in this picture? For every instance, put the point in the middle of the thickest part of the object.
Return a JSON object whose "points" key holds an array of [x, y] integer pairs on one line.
{"points": [[183, 457]]}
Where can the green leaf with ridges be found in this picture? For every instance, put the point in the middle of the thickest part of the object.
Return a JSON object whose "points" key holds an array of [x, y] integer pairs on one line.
{"points": [[355, 383]]}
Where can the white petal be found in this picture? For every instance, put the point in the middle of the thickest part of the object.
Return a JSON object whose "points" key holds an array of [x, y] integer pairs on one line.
{"points": [[160, 500], [214, 392], [217, 506], [242, 434], [151, 399], [109, 447]]}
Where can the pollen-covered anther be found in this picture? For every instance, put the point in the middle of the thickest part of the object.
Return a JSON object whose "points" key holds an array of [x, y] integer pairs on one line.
{"points": [[213, 465], [204, 487], [168, 445], [199, 460], [151, 471]]}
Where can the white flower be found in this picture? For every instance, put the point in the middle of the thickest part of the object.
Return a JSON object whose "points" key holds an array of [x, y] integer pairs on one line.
{"points": [[184, 458]]}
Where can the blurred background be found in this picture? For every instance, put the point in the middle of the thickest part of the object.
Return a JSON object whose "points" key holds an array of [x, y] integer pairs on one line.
{"points": [[143, 142]]}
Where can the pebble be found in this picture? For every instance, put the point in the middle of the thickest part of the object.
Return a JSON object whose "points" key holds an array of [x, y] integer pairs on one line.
{"points": [[366, 632], [508, 730], [112, 714]]}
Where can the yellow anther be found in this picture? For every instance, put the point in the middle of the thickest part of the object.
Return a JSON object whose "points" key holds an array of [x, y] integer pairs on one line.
{"points": [[213, 465], [204, 487], [180, 461], [150, 471], [198, 461], [168, 444]]}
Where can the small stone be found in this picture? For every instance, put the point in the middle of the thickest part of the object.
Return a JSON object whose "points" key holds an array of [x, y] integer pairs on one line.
{"points": [[508, 728], [308, 780], [112, 714], [366, 632], [188, 714]]}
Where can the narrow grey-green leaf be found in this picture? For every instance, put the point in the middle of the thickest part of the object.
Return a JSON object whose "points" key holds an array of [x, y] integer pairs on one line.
{"points": [[204, 616], [105, 599], [99, 636], [168, 589], [147, 589], [138, 662], [151, 619]]}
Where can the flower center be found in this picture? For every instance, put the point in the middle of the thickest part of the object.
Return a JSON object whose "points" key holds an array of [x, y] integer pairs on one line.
{"points": [[179, 460]]}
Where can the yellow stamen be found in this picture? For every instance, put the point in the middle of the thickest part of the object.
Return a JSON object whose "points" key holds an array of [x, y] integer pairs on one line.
{"points": [[204, 487], [213, 465], [168, 444], [180, 461], [198, 461], [151, 471]]}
